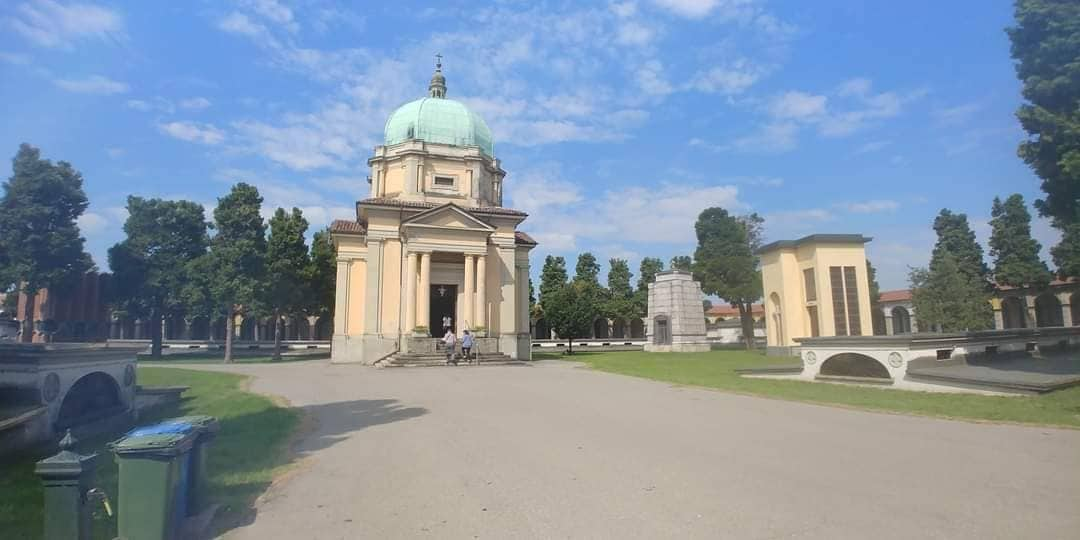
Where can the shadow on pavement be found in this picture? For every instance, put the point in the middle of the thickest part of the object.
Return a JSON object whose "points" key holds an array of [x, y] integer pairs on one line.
{"points": [[327, 425]]}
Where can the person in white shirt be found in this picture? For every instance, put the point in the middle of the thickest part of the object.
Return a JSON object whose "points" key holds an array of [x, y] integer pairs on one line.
{"points": [[450, 340]]}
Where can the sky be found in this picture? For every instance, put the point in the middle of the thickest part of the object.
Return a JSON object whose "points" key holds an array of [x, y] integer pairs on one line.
{"points": [[618, 122]]}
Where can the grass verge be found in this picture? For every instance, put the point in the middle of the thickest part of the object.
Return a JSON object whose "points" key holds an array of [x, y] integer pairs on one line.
{"points": [[716, 369], [249, 451], [245, 357]]}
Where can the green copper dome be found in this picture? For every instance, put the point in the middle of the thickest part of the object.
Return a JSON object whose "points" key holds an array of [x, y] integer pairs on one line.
{"points": [[436, 119], [439, 120]]}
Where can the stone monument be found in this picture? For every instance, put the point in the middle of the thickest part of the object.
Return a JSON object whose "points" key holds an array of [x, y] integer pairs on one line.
{"points": [[676, 314]]}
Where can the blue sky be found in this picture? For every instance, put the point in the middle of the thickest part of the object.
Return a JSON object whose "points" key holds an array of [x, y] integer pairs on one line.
{"points": [[618, 122]]}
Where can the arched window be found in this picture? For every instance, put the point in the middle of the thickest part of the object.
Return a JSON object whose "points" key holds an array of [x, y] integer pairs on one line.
{"points": [[901, 320], [1048, 311], [1012, 313]]}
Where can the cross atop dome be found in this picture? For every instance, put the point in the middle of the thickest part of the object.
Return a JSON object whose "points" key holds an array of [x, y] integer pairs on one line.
{"points": [[437, 88]]}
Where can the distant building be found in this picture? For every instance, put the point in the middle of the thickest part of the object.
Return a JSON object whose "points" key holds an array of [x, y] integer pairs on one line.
{"points": [[75, 315]]}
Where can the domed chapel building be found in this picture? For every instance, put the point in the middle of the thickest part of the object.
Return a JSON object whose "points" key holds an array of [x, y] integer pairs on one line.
{"points": [[432, 243]]}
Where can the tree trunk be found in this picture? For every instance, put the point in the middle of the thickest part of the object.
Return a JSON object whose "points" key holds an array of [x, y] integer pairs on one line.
{"points": [[747, 320], [27, 335], [277, 336], [155, 333], [230, 325], [571, 342]]}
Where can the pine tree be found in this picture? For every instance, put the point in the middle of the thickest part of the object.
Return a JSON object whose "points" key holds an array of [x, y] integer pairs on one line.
{"points": [[162, 236], [228, 278], [552, 276], [1046, 46], [955, 237], [877, 317], [587, 270], [950, 299], [650, 266], [619, 304], [1015, 252], [285, 290], [40, 246], [322, 275]]}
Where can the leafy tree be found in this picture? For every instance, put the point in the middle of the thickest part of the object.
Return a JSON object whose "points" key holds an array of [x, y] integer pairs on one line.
{"points": [[571, 310], [228, 278], [950, 299], [1046, 46], [681, 262], [647, 270], [552, 276], [322, 275], [619, 304], [40, 246], [150, 264], [876, 316], [287, 266], [706, 305], [650, 266], [725, 263], [587, 269], [955, 237], [755, 229], [1015, 252]]}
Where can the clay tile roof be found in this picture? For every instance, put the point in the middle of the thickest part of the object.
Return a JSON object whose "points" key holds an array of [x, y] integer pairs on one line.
{"points": [[344, 226], [727, 310], [523, 238], [483, 210], [895, 296]]}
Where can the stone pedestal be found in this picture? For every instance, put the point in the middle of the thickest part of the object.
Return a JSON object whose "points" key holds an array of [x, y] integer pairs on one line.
{"points": [[676, 320]]}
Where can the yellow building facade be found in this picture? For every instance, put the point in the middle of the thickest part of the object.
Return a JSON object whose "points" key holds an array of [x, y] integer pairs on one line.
{"points": [[815, 286], [432, 244]]}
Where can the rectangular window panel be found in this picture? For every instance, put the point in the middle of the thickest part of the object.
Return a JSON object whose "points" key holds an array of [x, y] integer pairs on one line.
{"points": [[811, 286], [444, 181], [836, 279], [851, 286], [815, 328]]}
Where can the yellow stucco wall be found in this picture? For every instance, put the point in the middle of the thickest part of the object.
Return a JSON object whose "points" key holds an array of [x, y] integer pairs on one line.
{"points": [[356, 290], [786, 307]]}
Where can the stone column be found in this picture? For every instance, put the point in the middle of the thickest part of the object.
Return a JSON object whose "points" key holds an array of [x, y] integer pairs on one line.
{"points": [[341, 298], [410, 294], [1030, 313], [481, 291], [372, 284], [412, 170], [470, 298], [1066, 315], [423, 297], [522, 284], [889, 329], [311, 320]]}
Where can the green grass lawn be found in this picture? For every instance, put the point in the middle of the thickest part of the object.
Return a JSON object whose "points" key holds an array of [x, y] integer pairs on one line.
{"points": [[716, 369], [250, 449]]}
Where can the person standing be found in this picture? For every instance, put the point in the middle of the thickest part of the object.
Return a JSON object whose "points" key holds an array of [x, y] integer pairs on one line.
{"points": [[450, 340], [466, 346], [447, 323]]}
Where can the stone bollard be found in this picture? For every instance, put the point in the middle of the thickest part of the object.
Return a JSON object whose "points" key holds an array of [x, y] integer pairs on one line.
{"points": [[66, 477]]}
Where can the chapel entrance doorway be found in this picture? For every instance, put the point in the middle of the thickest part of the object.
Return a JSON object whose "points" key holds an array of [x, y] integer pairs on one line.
{"points": [[443, 304]]}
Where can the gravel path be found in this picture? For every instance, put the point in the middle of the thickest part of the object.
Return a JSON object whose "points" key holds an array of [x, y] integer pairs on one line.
{"points": [[554, 451]]}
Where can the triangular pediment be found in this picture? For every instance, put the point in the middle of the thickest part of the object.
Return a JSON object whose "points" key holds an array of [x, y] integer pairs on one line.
{"points": [[448, 216]]}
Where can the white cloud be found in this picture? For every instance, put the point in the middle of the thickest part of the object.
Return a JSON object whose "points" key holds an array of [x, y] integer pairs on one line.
{"points": [[353, 185], [48, 23], [14, 58], [193, 132], [958, 114], [635, 33], [693, 9], [317, 209], [798, 106], [238, 23], [195, 103], [159, 104], [91, 223], [872, 146], [871, 207], [733, 78], [854, 87], [771, 138], [115, 152], [275, 12], [94, 84]]}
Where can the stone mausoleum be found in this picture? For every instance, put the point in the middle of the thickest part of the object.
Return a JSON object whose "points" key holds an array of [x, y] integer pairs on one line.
{"points": [[432, 242], [676, 314]]}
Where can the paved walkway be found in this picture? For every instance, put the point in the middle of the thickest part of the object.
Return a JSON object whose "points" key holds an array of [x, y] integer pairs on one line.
{"points": [[553, 451]]}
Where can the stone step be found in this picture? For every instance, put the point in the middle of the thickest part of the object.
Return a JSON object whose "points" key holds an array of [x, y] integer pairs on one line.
{"points": [[431, 360]]}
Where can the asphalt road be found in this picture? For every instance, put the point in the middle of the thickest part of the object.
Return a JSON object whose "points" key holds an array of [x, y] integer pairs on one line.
{"points": [[556, 451]]}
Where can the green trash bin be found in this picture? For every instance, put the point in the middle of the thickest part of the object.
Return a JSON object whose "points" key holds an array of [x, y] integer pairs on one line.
{"points": [[206, 428], [154, 466]]}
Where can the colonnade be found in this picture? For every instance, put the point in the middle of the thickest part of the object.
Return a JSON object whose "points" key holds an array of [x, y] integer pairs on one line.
{"points": [[418, 291]]}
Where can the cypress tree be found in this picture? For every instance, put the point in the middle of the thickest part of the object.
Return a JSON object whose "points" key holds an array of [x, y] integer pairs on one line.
{"points": [[1015, 252]]}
